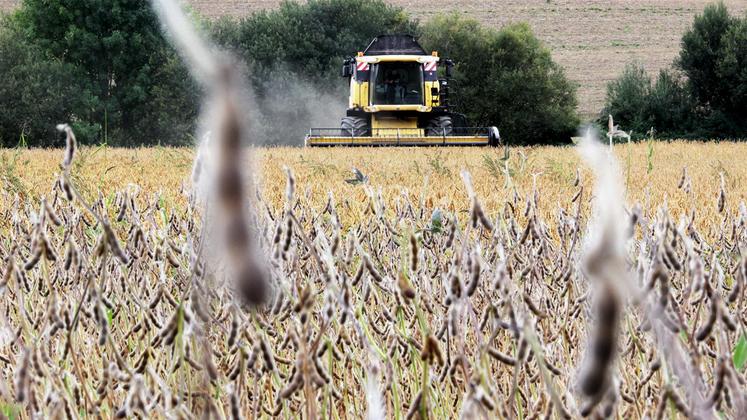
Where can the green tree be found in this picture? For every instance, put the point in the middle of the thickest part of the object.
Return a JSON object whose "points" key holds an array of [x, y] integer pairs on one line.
{"points": [[627, 99], [506, 78], [637, 104], [701, 46], [121, 61], [35, 94], [669, 107], [714, 56], [732, 70]]}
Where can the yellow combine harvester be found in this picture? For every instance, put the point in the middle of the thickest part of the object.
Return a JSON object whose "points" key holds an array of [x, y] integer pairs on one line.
{"points": [[397, 99]]}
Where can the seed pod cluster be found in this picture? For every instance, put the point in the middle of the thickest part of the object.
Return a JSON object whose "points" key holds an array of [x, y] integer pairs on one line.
{"points": [[140, 316]]}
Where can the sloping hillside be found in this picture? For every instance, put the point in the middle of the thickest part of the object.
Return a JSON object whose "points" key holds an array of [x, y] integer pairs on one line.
{"points": [[592, 39]]}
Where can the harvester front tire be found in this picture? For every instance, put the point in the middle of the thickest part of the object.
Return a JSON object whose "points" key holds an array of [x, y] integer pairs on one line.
{"points": [[354, 126], [440, 126]]}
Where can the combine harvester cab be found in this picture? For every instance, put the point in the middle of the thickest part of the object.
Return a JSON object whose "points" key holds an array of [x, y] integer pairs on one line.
{"points": [[397, 99]]}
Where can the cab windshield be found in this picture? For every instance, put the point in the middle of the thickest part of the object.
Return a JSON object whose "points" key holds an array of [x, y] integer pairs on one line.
{"points": [[397, 84]]}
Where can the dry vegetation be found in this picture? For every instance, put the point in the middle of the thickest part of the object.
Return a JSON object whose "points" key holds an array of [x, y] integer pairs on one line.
{"points": [[484, 307], [432, 173]]}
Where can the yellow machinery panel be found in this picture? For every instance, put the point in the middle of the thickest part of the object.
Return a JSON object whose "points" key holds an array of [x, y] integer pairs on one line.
{"points": [[358, 93], [393, 126], [430, 99], [380, 108], [398, 141]]}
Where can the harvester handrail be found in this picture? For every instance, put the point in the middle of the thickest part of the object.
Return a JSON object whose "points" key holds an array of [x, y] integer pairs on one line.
{"points": [[397, 133]]}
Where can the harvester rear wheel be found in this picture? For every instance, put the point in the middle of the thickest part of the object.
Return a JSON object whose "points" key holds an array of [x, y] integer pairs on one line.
{"points": [[354, 126], [440, 126]]}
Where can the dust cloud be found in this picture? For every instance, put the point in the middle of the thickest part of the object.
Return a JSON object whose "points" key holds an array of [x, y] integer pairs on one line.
{"points": [[290, 105]]}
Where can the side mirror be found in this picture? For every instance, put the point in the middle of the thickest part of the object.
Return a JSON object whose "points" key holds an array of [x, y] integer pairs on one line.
{"points": [[347, 69], [449, 67]]}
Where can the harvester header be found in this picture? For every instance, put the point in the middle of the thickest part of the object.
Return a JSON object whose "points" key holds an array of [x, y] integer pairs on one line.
{"points": [[398, 99]]}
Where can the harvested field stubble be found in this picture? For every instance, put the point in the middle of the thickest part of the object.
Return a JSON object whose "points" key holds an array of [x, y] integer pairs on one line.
{"points": [[380, 303]]}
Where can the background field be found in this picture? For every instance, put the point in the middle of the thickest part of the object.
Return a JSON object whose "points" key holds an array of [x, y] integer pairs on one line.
{"points": [[432, 172], [592, 40]]}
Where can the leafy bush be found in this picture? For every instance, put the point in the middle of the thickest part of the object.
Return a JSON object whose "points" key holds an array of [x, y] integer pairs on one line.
{"points": [[505, 78], [669, 106], [638, 104], [309, 39], [627, 98]]}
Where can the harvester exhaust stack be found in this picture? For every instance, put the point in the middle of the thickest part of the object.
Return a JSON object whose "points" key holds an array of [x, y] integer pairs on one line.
{"points": [[397, 99]]}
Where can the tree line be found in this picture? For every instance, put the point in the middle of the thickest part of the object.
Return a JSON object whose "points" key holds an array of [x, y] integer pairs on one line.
{"points": [[111, 72], [108, 69]]}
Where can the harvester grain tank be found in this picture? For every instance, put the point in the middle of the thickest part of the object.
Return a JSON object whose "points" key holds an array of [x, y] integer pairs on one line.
{"points": [[398, 99]]}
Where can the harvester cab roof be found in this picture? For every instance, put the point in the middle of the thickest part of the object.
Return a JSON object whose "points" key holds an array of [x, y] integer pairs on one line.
{"points": [[394, 45], [397, 98]]}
